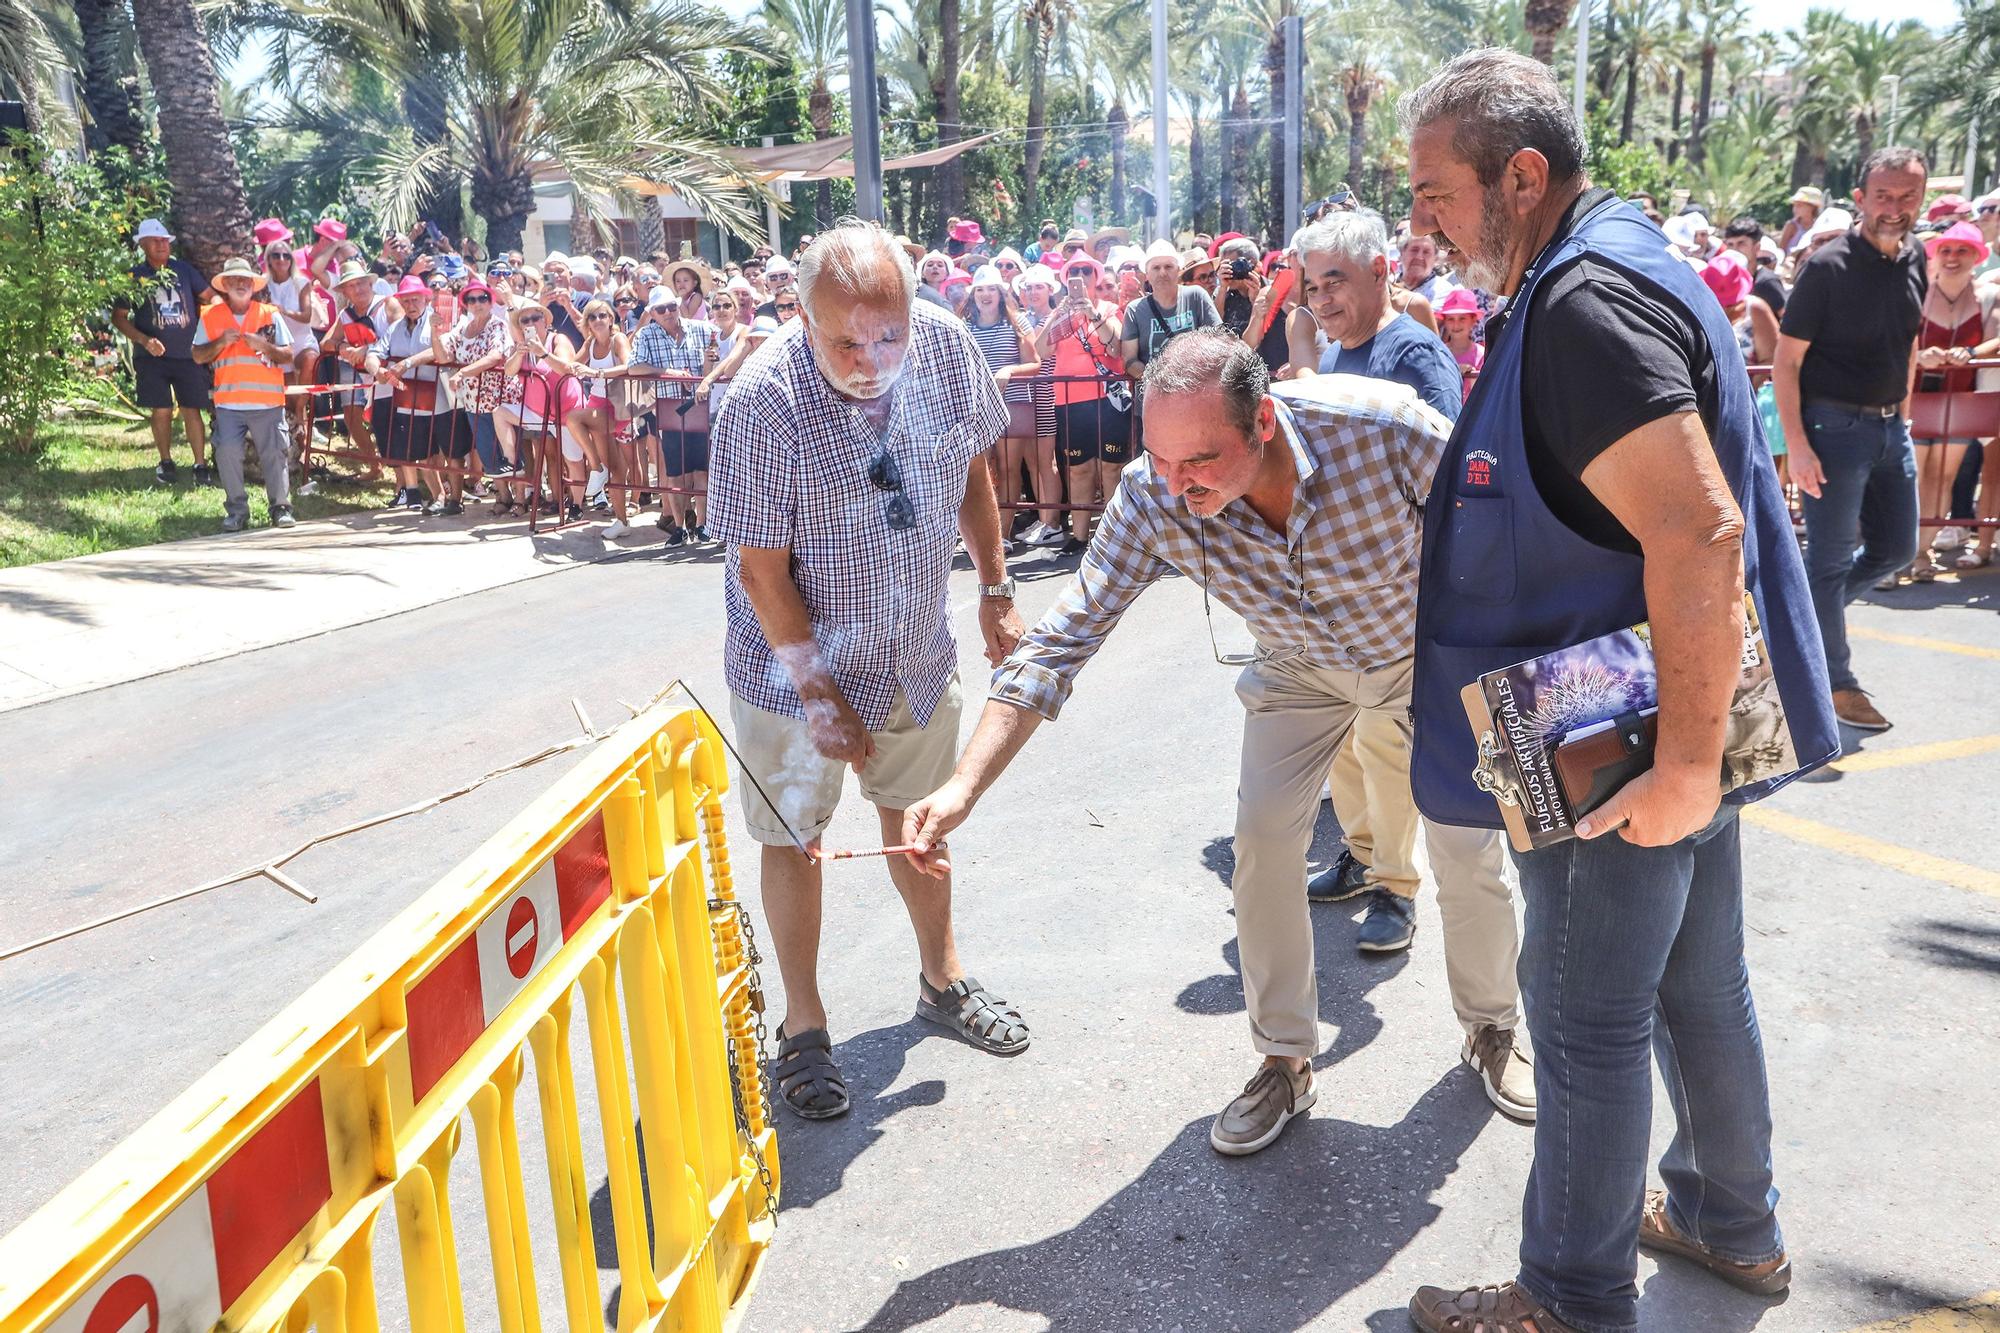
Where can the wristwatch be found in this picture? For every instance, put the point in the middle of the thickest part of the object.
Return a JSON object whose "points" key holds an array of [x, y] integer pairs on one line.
{"points": [[1004, 588]]}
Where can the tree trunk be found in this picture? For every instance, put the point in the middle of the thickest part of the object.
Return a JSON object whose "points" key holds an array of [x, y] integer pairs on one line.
{"points": [[1631, 97], [1038, 106], [1696, 151], [505, 202], [1680, 96], [1358, 99], [1197, 163], [1225, 158], [110, 79], [1801, 162], [1817, 165], [819, 106], [950, 176], [1545, 20], [209, 208], [1242, 139], [1117, 122], [652, 226], [424, 107], [1864, 140], [1607, 55], [1274, 70]]}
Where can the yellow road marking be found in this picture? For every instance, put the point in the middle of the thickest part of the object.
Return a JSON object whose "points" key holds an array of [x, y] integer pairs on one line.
{"points": [[1917, 641], [1975, 1314], [1867, 761], [1921, 864]]}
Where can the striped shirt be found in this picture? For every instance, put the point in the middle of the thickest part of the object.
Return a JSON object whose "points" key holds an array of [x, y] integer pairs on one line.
{"points": [[1001, 345], [790, 471], [1337, 588]]}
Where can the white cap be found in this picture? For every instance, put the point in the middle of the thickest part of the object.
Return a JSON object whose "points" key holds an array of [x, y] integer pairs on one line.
{"points": [[776, 266], [1770, 249], [988, 276], [763, 326], [1831, 222], [1121, 255], [739, 283], [660, 296], [152, 229], [555, 257], [1036, 274], [583, 266], [1163, 250]]}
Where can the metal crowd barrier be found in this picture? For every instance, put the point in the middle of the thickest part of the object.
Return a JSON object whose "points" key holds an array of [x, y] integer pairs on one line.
{"points": [[254, 1201]]}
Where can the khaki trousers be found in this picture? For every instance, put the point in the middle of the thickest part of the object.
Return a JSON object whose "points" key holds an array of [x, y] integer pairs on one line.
{"points": [[1297, 717]]}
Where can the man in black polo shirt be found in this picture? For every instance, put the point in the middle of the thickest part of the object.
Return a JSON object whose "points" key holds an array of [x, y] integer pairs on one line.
{"points": [[1843, 372]]}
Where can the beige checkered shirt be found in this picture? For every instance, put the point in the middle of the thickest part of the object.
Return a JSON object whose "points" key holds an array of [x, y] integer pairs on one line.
{"points": [[1337, 588]]}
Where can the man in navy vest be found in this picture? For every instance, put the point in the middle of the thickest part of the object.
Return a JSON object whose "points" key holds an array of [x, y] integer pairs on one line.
{"points": [[1607, 468]]}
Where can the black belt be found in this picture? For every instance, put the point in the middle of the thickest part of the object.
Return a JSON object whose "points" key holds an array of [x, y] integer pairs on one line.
{"points": [[1885, 410]]}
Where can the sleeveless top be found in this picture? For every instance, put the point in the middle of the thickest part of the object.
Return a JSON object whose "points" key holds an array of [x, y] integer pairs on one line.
{"points": [[1001, 345], [1967, 334]]}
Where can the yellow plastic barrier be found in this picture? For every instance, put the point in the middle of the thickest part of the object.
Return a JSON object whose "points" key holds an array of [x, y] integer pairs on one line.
{"points": [[253, 1201]]}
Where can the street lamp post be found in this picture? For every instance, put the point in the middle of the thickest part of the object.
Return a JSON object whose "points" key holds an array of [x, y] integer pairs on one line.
{"points": [[863, 110], [1162, 178]]}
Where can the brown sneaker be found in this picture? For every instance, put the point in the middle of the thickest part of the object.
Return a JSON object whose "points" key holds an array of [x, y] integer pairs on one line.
{"points": [[1853, 708], [1502, 1309], [1657, 1233], [1504, 1071], [1263, 1109]]}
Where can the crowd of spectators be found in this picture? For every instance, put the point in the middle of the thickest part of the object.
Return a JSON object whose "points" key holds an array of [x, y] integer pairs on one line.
{"points": [[457, 367]]}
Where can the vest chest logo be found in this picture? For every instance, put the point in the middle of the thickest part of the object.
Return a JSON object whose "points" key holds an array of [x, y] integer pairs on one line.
{"points": [[1481, 471]]}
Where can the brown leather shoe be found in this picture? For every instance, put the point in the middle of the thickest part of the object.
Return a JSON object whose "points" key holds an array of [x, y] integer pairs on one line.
{"points": [[1502, 1309], [1853, 708], [1657, 1233]]}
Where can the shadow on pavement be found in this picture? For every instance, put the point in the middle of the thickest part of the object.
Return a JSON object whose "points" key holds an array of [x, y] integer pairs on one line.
{"points": [[816, 1154], [1200, 1241], [1956, 944]]}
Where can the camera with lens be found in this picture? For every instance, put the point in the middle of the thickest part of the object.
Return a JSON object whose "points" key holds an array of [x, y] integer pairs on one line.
{"points": [[1241, 268]]}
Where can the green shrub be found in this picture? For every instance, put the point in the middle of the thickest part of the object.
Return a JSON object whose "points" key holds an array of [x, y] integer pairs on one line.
{"points": [[65, 254]]}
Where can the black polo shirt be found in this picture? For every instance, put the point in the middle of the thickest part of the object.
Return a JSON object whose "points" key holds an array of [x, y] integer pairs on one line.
{"points": [[1860, 309]]}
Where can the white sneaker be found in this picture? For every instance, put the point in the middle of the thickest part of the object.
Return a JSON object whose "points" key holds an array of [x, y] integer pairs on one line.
{"points": [[1949, 539], [617, 527], [1047, 536]]}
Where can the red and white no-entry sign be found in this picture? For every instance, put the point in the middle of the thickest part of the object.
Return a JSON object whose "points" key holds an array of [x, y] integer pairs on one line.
{"points": [[523, 933], [129, 1305], [463, 993]]}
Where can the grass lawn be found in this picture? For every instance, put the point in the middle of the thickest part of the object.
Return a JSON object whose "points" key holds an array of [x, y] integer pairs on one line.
{"points": [[91, 489]]}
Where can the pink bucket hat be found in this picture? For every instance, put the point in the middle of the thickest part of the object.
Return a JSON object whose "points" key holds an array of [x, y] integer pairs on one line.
{"points": [[1728, 278], [1458, 301], [269, 232], [1960, 233], [332, 229]]}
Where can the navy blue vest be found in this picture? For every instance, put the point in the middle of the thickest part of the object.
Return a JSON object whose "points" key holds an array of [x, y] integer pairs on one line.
{"points": [[1504, 579]]}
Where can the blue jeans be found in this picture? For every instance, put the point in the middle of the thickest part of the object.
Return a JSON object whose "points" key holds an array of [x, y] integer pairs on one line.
{"points": [[1629, 946], [485, 441], [1869, 502]]}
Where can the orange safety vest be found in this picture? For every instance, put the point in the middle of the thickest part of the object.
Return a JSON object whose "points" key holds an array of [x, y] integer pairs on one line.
{"points": [[243, 380]]}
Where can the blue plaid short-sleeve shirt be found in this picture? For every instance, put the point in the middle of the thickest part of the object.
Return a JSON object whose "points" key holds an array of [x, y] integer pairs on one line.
{"points": [[789, 470]]}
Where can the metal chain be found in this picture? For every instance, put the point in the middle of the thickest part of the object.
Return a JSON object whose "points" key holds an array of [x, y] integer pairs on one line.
{"points": [[755, 988]]}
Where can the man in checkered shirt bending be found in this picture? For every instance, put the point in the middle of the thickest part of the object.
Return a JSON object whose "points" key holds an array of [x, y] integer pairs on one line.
{"points": [[845, 466], [1300, 510]]}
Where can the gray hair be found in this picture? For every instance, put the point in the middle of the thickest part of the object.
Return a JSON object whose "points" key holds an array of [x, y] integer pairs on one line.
{"points": [[852, 255], [1892, 159], [1242, 245], [1357, 237], [1208, 359], [1499, 102]]}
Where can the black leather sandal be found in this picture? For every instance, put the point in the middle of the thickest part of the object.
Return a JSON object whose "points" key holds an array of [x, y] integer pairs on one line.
{"points": [[808, 1079], [969, 1010]]}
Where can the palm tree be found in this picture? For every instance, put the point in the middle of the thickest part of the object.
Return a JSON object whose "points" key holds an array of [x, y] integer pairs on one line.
{"points": [[1819, 114], [1043, 20], [1545, 20], [1360, 85], [1116, 50], [110, 76], [209, 206], [945, 97], [1648, 43], [1721, 26], [1736, 170], [27, 52], [815, 36], [1868, 54], [524, 86]]}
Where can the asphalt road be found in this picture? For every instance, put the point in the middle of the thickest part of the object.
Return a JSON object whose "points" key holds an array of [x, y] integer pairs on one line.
{"points": [[1070, 1187]]}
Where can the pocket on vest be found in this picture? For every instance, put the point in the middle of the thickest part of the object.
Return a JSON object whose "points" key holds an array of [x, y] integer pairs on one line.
{"points": [[1480, 558]]}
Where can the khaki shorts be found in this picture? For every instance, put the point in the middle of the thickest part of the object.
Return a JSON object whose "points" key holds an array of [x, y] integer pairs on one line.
{"points": [[910, 762]]}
